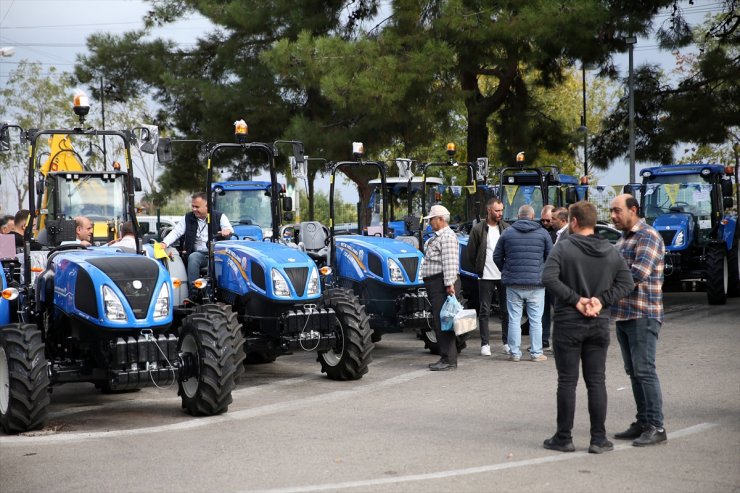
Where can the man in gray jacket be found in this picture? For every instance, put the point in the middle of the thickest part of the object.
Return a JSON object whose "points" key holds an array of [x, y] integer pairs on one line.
{"points": [[481, 244], [584, 275]]}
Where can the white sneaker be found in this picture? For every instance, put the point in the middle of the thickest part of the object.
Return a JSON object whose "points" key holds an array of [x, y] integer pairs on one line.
{"points": [[505, 349], [485, 350]]}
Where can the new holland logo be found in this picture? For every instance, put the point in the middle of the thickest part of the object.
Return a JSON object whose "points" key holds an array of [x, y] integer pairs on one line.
{"points": [[136, 284]]}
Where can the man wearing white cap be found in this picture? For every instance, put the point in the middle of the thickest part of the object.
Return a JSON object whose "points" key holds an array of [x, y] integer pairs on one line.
{"points": [[440, 273]]}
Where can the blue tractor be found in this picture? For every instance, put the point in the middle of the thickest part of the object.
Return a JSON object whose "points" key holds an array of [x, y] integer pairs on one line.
{"points": [[382, 271], [70, 313], [690, 206], [275, 288]]}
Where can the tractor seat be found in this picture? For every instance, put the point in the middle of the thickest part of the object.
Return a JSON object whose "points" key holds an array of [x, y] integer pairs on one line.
{"points": [[314, 239]]}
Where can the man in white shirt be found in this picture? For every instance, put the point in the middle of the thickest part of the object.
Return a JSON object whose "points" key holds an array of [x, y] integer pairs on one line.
{"points": [[560, 223], [193, 228], [481, 244], [127, 242]]}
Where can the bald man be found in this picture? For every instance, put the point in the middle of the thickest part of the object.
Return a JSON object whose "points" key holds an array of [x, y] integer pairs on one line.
{"points": [[639, 317]]}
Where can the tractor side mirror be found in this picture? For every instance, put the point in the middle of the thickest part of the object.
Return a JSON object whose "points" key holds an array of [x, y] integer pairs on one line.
{"points": [[726, 188], [40, 187], [5, 140], [287, 203], [288, 217], [164, 151], [571, 197], [137, 185], [727, 202], [298, 153]]}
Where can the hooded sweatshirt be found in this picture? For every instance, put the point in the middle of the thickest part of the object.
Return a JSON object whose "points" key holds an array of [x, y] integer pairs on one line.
{"points": [[585, 266], [521, 252]]}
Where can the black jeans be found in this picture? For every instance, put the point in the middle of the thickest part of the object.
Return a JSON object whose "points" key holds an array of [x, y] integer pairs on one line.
{"points": [[546, 319], [486, 291], [585, 341], [437, 294]]}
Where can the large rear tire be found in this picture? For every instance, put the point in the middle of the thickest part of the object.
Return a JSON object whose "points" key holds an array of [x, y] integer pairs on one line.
{"points": [[24, 381], [733, 265], [349, 358], [716, 274], [208, 355]]}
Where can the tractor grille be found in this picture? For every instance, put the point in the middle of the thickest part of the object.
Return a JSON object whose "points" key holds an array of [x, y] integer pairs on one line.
{"points": [[667, 235], [410, 265], [124, 272], [298, 277]]}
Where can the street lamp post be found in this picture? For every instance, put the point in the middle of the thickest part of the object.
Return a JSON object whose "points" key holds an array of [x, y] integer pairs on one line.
{"points": [[585, 128], [631, 40]]}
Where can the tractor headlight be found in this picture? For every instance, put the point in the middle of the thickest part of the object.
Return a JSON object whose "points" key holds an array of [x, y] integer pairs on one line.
{"points": [[679, 240], [162, 306], [279, 284], [313, 282], [395, 270], [113, 306]]}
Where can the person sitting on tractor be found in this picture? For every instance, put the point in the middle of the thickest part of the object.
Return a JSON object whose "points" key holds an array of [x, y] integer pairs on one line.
{"points": [[195, 242], [83, 232], [127, 242]]}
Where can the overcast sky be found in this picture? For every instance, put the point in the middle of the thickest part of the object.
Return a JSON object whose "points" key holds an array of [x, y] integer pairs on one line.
{"points": [[53, 32]]}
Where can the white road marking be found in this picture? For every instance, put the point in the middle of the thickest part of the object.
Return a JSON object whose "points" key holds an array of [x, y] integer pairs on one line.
{"points": [[467, 471], [207, 421]]}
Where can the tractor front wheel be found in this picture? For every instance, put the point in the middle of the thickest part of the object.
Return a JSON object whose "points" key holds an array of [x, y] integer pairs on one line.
{"points": [[208, 359], [350, 356], [430, 339], [24, 380]]}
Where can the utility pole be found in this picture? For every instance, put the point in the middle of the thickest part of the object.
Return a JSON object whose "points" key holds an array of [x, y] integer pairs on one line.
{"points": [[585, 128], [102, 110], [631, 40]]}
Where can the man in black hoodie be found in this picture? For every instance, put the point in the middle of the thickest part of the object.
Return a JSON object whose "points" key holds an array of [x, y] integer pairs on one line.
{"points": [[585, 274]]}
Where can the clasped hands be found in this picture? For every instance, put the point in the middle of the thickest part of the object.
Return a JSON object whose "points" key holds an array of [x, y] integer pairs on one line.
{"points": [[589, 307]]}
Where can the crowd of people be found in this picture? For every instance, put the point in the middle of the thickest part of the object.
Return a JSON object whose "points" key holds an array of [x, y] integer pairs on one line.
{"points": [[571, 283]]}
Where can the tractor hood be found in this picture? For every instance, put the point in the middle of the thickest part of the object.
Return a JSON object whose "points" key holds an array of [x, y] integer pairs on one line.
{"points": [[271, 269], [677, 230], [390, 261], [110, 289]]}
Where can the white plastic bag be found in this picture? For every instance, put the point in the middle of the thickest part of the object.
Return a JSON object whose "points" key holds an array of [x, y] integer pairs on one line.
{"points": [[465, 321]]}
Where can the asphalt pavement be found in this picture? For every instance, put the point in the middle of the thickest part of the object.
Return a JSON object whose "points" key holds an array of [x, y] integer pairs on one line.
{"points": [[401, 427]]}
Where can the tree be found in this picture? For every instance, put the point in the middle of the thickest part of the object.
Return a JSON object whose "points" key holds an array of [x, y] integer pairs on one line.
{"points": [[32, 99], [702, 107]]}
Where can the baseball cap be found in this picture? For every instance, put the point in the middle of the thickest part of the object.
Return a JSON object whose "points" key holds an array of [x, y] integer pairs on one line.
{"points": [[437, 210]]}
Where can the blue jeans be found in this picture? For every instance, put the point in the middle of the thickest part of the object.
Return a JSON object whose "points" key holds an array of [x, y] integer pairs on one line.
{"points": [[638, 340], [534, 301], [196, 260]]}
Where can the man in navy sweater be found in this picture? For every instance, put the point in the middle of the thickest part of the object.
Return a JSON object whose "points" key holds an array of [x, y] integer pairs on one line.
{"points": [[520, 256]]}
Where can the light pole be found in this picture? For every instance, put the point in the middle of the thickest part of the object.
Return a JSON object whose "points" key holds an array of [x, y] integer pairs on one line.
{"points": [[631, 40], [102, 111]]}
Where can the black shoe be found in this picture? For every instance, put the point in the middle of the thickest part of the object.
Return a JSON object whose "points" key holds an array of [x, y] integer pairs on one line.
{"points": [[439, 361], [600, 448], [545, 344], [555, 443], [651, 436], [634, 431], [442, 366]]}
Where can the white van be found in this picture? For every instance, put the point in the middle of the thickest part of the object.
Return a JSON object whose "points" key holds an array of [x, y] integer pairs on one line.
{"points": [[148, 224]]}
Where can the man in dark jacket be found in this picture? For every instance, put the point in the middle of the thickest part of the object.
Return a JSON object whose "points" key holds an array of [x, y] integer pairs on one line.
{"points": [[195, 236], [520, 256], [584, 275], [482, 242]]}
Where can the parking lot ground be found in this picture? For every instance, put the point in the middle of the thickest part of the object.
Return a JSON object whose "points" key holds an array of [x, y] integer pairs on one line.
{"points": [[401, 428]]}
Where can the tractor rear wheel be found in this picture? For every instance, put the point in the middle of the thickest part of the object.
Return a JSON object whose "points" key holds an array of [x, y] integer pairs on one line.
{"points": [[208, 361], [350, 356], [24, 381], [716, 274], [733, 265]]}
